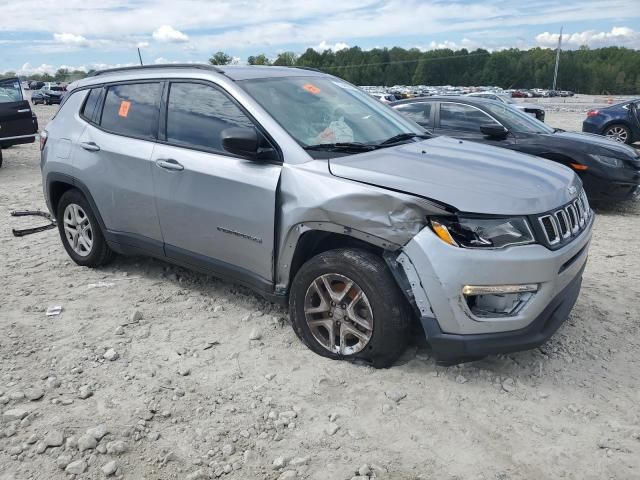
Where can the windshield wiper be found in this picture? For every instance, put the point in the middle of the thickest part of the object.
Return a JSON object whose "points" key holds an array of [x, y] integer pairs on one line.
{"points": [[401, 137], [341, 146]]}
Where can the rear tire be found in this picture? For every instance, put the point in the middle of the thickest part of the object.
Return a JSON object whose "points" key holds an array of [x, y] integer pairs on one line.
{"points": [[619, 132], [80, 231], [367, 320]]}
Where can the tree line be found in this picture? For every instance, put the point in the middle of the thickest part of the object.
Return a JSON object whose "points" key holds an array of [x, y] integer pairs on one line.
{"points": [[611, 70]]}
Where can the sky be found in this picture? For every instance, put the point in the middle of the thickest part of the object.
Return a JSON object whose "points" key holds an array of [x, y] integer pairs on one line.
{"points": [[43, 35]]}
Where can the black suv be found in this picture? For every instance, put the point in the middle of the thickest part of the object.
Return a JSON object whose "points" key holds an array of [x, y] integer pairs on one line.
{"points": [[18, 124]]}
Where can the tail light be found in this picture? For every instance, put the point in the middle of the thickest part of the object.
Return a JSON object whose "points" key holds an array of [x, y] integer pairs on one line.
{"points": [[592, 113], [43, 139]]}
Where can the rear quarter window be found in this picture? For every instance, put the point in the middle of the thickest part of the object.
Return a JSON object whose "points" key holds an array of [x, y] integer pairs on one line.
{"points": [[89, 107], [132, 109]]}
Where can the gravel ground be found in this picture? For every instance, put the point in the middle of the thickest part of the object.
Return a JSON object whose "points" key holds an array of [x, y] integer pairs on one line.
{"points": [[155, 372]]}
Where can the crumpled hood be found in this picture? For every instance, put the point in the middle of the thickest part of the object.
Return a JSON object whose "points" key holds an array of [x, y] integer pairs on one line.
{"points": [[469, 176]]}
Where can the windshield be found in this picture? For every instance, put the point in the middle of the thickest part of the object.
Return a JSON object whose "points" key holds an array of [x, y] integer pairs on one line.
{"points": [[10, 91], [326, 110], [516, 120]]}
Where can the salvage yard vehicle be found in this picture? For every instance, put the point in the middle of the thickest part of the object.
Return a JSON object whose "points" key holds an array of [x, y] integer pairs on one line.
{"points": [[18, 124], [609, 171], [532, 109], [48, 96], [306, 189], [620, 122]]}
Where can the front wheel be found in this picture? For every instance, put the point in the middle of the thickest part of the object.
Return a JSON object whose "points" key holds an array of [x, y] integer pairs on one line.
{"points": [[345, 304], [80, 231], [619, 133]]}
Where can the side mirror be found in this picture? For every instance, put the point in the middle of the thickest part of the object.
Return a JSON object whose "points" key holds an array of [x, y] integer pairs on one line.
{"points": [[494, 130], [240, 141]]}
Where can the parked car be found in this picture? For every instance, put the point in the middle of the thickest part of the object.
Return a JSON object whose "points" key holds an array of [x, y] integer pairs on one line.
{"points": [[532, 109], [609, 171], [305, 188], [18, 124], [35, 85], [620, 122], [50, 96]]}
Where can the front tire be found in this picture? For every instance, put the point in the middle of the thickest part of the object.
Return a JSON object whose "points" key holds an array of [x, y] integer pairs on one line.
{"points": [[344, 304], [619, 133], [80, 232]]}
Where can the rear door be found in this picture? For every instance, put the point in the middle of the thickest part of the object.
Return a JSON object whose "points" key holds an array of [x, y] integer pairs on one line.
{"points": [[16, 120], [216, 209], [112, 158]]}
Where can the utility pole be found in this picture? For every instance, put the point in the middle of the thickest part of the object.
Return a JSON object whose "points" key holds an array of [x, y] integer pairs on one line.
{"points": [[140, 57], [555, 73]]}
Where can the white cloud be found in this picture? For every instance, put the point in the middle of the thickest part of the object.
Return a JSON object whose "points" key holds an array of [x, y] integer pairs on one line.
{"points": [[71, 39], [619, 36], [168, 34], [142, 44], [323, 45]]}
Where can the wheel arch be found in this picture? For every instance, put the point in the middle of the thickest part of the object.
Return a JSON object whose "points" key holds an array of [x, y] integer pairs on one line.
{"points": [[59, 183]]}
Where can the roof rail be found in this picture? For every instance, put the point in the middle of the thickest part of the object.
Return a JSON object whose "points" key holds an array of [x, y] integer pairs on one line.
{"points": [[154, 66], [313, 69]]}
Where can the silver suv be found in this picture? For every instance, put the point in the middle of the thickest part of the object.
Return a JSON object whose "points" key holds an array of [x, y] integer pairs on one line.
{"points": [[304, 188]]}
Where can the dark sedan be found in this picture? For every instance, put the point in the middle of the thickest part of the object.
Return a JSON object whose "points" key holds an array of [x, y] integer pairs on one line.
{"points": [[48, 97], [620, 122], [609, 170]]}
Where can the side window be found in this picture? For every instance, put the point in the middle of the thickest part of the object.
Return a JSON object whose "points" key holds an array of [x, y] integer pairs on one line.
{"points": [[418, 112], [90, 103], [462, 117], [132, 109], [197, 114]]}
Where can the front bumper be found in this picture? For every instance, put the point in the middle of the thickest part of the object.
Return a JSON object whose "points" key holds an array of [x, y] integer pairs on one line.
{"points": [[437, 272], [599, 188]]}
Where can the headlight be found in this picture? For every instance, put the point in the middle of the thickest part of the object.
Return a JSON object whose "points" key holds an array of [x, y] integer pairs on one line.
{"points": [[470, 232], [607, 161]]}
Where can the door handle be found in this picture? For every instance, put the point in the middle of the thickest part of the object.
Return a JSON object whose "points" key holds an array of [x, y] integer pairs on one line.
{"points": [[169, 164], [90, 146], [24, 110]]}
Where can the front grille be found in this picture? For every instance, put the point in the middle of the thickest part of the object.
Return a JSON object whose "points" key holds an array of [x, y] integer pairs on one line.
{"points": [[562, 225]]}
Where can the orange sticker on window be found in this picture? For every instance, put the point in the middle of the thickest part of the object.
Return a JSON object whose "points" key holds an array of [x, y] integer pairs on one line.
{"points": [[124, 108], [311, 89]]}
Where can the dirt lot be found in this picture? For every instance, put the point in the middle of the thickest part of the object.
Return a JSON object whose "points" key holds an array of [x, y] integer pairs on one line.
{"points": [[187, 394]]}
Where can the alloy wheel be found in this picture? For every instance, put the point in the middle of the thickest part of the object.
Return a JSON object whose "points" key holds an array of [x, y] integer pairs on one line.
{"points": [[619, 134], [78, 230], [338, 314]]}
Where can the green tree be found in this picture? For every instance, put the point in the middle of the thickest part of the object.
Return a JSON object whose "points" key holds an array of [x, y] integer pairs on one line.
{"points": [[287, 59], [258, 60], [220, 58]]}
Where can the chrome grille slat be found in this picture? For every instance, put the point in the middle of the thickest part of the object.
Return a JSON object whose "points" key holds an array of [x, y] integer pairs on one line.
{"points": [[562, 225]]}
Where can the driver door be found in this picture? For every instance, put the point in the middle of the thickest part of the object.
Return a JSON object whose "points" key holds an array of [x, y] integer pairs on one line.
{"points": [[463, 121]]}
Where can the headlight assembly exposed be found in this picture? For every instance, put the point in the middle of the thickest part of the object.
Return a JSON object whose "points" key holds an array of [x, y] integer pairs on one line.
{"points": [[608, 161], [468, 232]]}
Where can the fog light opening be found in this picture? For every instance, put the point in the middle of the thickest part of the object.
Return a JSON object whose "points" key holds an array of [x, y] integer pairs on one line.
{"points": [[498, 300]]}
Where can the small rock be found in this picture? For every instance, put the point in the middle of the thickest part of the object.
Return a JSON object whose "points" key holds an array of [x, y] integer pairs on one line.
{"points": [[331, 429], [270, 376], [228, 450], [279, 462], [32, 439], [53, 382], [461, 379], [364, 470], [98, 432], [54, 439], [184, 371], [395, 394], [41, 447], [87, 442], [110, 355], [71, 443], [85, 392], [386, 408], [76, 468], [117, 447], [255, 334], [34, 394], [509, 385], [63, 460], [119, 331], [15, 396], [297, 461], [14, 414], [197, 475], [17, 450], [227, 468], [110, 468], [218, 308], [288, 475], [135, 317]]}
